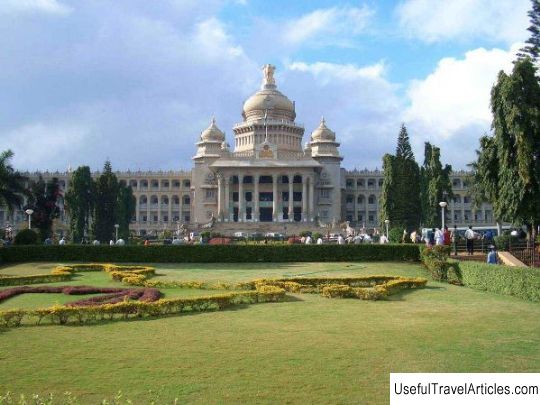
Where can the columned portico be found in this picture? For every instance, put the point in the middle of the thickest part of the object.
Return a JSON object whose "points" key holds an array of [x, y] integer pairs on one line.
{"points": [[255, 214], [291, 202], [304, 199], [241, 216], [275, 213]]}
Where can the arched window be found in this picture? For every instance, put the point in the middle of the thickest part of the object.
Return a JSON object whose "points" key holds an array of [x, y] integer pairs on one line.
{"points": [[349, 198], [360, 199], [143, 199], [372, 199], [153, 200], [176, 200], [186, 200], [165, 200], [133, 184]]}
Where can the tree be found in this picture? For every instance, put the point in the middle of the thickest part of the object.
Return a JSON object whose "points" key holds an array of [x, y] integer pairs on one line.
{"points": [[12, 184], [532, 49], [80, 200], [105, 212], [508, 167], [43, 200], [485, 172], [400, 197], [435, 185], [126, 204]]}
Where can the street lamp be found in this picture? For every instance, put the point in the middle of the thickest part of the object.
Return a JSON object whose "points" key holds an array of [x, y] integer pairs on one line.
{"points": [[29, 212], [443, 205], [387, 221], [116, 227]]}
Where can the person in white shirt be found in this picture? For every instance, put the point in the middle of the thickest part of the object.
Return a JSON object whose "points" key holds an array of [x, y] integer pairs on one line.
{"points": [[470, 236], [308, 240], [111, 242], [319, 241], [439, 237], [340, 240], [62, 242], [383, 240]]}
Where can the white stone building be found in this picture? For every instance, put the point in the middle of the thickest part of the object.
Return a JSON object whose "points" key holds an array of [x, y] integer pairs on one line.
{"points": [[269, 180]]}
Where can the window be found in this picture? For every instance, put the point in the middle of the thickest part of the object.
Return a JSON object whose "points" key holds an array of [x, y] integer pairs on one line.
{"points": [[360, 199], [186, 200], [249, 196], [165, 218], [371, 183], [360, 216], [210, 194], [350, 183], [372, 199], [248, 213], [186, 217], [187, 184], [155, 218], [144, 218], [360, 183], [456, 183], [235, 196], [297, 196], [457, 199], [467, 199], [324, 214], [265, 180], [176, 184], [349, 198], [325, 193], [266, 197], [297, 179], [285, 196], [284, 179], [248, 180], [381, 181]]}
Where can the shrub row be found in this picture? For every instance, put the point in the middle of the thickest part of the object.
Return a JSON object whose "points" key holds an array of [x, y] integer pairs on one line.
{"points": [[211, 254], [522, 282], [62, 315], [113, 294], [65, 273]]}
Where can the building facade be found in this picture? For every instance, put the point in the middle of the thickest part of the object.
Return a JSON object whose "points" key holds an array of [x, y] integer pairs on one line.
{"points": [[268, 180]]}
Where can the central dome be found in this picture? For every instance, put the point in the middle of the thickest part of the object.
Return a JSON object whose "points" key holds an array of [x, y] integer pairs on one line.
{"points": [[268, 101]]}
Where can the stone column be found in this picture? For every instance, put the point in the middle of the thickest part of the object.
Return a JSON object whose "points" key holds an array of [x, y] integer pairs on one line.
{"points": [[227, 198], [240, 198], [255, 213], [220, 197], [170, 208], [304, 199], [274, 197], [291, 192], [159, 208], [147, 210], [137, 212], [311, 199]]}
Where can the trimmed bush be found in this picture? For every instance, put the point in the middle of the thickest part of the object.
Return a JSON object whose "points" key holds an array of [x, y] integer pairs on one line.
{"points": [[522, 282], [212, 254], [436, 260], [26, 237]]}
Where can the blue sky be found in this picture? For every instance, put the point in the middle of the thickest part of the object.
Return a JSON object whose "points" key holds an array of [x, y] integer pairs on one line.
{"points": [[137, 81]]}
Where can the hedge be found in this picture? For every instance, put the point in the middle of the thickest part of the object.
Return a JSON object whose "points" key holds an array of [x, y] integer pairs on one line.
{"points": [[522, 282], [211, 254], [62, 315]]}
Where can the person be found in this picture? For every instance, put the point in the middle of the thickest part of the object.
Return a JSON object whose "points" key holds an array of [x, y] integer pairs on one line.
{"points": [[492, 255], [404, 237], [176, 241], [340, 240], [62, 241], [383, 240], [303, 240], [469, 236], [95, 242], [430, 237], [454, 238], [319, 241], [446, 236], [439, 237], [111, 242], [413, 236], [48, 241], [146, 242], [308, 240]]}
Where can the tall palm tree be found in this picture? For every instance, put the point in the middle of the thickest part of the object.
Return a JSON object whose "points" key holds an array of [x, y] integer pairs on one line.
{"points": [[12, 183]]}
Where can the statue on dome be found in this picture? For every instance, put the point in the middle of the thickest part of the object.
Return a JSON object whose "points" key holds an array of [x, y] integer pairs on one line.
{"points": [[268, 71]]}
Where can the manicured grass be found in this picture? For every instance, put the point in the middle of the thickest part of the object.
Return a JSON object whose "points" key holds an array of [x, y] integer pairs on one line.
{"points": [[307, 350]]}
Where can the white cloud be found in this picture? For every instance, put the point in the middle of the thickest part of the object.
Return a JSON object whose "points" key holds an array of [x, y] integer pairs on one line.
{"points": [[31, 6], [434, 20], [457, 94], [327, 26]]}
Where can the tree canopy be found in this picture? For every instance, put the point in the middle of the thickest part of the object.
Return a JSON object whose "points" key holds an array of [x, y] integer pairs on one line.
{"points": [[12, 183], [532, 47], [80, 201], [105, 211]]}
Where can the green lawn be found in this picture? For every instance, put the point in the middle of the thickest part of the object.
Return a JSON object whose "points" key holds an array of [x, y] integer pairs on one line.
{"points": [[307, 350]]}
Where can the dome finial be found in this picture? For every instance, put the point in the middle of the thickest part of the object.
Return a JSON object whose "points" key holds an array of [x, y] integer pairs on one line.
{"points": [[268, 78], [213, 122], [323, 121]]}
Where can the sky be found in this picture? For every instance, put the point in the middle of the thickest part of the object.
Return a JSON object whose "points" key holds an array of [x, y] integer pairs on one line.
{"points": [[137, 81]]}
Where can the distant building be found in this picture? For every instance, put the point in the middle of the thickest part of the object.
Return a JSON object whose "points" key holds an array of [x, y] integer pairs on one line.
{"points": [[268, 181]]}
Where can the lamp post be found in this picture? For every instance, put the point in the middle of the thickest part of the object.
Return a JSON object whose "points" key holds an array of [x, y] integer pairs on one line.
{"points": [[387, 221], [116, 226], [443, 205], [29, 212]]}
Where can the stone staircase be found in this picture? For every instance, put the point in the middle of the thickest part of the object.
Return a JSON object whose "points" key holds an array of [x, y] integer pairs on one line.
{"points": [[286, 228]]}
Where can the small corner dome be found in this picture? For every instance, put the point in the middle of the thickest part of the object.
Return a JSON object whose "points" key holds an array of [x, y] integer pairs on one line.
{"points": [[323, 133], [213, 133]]}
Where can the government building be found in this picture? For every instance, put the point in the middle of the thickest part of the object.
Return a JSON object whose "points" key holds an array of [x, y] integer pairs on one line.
{"points": [[269, 180]]}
